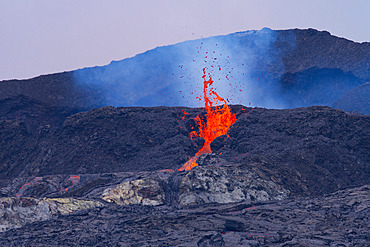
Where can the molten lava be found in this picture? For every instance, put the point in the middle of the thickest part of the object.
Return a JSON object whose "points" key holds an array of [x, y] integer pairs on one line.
{"points": [[217, 122]]}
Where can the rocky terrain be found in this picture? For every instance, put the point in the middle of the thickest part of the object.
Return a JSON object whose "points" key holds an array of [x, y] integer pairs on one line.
{"points": [[338, 219], [109, 177], [304, 148]]}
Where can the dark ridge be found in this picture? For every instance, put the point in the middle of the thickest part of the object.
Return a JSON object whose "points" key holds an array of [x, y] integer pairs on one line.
{"points": [[355, 100], [54, 90], [322, 50], [314, 150]]}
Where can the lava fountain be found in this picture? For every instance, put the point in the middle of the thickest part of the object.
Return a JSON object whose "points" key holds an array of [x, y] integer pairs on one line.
{"points": [[217, 121]]}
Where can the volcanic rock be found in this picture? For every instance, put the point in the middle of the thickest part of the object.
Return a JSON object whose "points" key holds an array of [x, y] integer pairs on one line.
{"points": [[308, 151], [211, 241], [15, 212], [141, 191], [226, 184], [337, 219], [65, 206]]}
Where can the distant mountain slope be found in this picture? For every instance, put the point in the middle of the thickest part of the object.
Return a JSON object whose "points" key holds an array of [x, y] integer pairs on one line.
{"points": [[274, 69], [355, 100], [256, 64], [316, 86], [322, 50]]}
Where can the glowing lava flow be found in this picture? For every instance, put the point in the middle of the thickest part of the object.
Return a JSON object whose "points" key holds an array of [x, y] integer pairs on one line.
{"points": [[218, 120]]}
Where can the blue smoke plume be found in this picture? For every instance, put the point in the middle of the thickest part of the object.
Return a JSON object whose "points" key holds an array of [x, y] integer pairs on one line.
{"points": [[247, 68]]}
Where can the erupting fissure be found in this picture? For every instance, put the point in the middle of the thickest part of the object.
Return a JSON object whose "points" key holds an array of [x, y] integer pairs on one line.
{"points": [[217, 121]]}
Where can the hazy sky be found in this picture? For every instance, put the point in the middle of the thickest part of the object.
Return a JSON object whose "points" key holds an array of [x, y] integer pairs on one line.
{"points": [[47, 36]]}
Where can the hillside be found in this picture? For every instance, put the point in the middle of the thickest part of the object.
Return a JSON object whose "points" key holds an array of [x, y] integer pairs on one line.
{"points": [[310, 150], [267, 68]]}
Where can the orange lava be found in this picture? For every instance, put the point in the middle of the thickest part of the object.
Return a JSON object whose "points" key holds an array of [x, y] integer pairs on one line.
{"points": [[217, 122], [75, 180]]}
